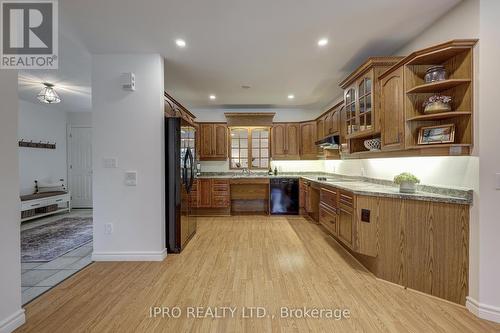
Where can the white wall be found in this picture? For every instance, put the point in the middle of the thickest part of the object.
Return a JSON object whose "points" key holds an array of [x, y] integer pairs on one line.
{"points": [[80, 119], [40, 122], [487, 302], [128, 126], [11, 314], [452, 172]]}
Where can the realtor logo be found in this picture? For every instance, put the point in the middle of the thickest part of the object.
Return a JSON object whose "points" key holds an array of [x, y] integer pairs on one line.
{"points": [[29, 34]]}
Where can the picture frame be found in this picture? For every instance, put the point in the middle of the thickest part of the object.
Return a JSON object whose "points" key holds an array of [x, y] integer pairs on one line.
{"points": [[430, 135]]}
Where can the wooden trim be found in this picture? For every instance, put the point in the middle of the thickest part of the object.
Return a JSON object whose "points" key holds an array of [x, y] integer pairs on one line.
{"points": [[167, 95], [369, 63], [455, 43], [254, 119]]}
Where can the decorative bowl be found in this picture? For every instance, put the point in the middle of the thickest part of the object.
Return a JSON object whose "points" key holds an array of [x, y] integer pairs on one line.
{"points": [[373, 144], [437, 104], [435, 73], [437, 107]]}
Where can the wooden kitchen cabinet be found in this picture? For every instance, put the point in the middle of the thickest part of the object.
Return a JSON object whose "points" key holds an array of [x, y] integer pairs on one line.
{"points": [[362, 96], [204, 193], [210, 195], [392, 110], [285, 141], [213, 141], [328, 218], [308, 135], [320, 128], [220, 193], [302, 196], [345, 228]]}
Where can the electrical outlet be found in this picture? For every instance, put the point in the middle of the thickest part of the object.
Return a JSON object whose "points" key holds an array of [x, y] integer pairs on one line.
{"points": [[497, 181], [108, 228]]}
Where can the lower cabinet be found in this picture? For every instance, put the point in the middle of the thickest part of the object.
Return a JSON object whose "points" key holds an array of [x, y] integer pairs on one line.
{"points": [[345, 233], [420, 245], [329, 219], [210, 193]]}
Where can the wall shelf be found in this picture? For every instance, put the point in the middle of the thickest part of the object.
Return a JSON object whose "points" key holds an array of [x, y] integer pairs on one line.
{"points": [[438, 86], [440, 116]]}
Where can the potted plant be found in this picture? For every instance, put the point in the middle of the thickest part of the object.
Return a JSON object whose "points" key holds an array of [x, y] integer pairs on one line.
{"points": [[407, 182]]}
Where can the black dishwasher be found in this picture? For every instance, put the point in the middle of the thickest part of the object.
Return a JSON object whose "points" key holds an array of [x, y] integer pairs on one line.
{"points": [[284, 196]]}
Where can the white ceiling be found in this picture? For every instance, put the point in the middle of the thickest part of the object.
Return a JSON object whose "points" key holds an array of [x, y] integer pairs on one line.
{"points": [[267, 44]]}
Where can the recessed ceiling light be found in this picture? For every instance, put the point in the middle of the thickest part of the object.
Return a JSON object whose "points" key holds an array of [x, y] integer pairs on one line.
{"points": [[322, 42], [212, 97], [180, 43], [291, 96]]}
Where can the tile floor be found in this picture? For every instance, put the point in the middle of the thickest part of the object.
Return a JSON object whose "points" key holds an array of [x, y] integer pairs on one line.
{"points": [[37, 278]]}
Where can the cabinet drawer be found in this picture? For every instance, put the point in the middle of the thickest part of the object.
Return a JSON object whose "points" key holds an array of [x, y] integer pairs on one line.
{"points": [[220, 201], [34, 204], [220, 187], [328, 197], [328, 218], [346, 198]]}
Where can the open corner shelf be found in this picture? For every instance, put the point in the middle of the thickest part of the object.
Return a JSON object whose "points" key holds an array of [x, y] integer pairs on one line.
{"points": [[440, 145], [438, 86], [440, 116]]}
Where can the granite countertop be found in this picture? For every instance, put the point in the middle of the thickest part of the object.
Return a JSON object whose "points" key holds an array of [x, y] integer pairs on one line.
{"points": [[365, 186], [379, 190]]}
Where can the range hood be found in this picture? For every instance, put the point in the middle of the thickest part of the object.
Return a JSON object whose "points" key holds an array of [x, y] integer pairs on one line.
{"points": [[330, 142]]}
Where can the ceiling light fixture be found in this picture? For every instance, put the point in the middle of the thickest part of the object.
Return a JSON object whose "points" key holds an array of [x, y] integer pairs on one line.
{"points": [[48, 94], [291, 96], [322, 42], [180, 43], [212, 97]]}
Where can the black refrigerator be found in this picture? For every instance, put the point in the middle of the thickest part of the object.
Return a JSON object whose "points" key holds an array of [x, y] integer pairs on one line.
{"points": [[179, 177]]}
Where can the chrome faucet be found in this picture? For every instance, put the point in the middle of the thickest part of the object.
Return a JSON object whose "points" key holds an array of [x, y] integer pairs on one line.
{"points": [[246, 171]]}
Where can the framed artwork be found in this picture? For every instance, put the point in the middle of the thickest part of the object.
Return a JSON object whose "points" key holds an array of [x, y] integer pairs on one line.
{"points": [[436, 134]]}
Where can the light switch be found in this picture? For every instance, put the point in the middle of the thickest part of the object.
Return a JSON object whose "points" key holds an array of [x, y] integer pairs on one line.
{"points": [[110, 163], [497, 181], [131, 178]]}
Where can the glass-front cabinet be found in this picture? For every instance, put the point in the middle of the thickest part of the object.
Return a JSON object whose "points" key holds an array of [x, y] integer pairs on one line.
{"points": [[250, 148], [362, 97], [365, 104], [350, 111], [358, 103]]}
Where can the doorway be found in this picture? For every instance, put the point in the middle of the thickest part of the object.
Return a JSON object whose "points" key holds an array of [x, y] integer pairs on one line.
{"points": [[80, 166]]}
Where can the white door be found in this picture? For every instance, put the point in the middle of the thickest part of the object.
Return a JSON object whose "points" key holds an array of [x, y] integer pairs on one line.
{"points": [[80, 166]]}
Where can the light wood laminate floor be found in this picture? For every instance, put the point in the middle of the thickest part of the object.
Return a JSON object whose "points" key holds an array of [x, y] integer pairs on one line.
{"points": [[271, 262]]}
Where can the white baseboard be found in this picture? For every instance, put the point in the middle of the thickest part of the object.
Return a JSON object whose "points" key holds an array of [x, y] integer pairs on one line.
{"points": [[482, 310], [130, 256], [9, 324]]}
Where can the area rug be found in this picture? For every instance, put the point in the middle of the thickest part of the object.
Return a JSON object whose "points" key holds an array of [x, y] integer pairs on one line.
{"points": [[52, 240]]}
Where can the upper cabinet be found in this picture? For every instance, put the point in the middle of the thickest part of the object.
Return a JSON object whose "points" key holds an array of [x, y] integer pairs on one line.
{"points": [[213, 141], [285, 141], [427, 101], [391, 109], [362, 97], [320, 127], [308, 135]]}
